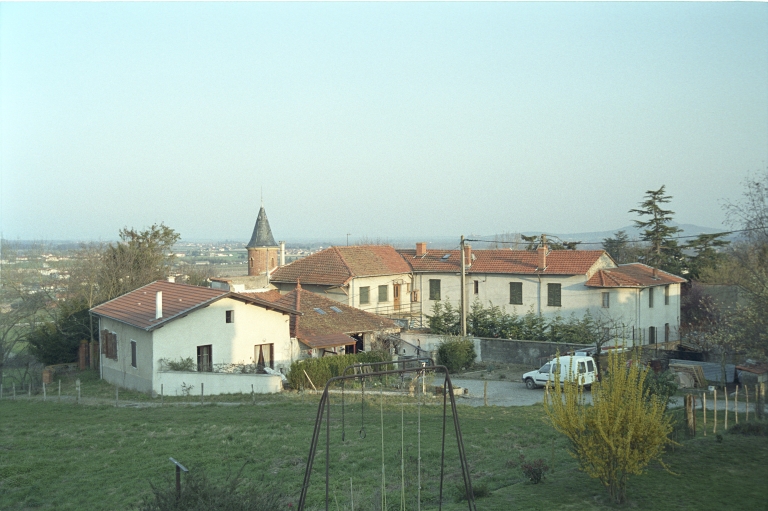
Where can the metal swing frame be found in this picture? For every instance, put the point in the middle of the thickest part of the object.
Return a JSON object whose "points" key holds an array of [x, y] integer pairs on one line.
{"points": [[324, 408]]}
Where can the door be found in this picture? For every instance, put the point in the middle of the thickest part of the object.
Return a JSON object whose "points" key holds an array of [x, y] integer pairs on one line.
{"points": [[396, 295]]}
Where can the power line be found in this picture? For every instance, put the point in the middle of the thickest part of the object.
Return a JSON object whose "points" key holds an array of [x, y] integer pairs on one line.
{"points": [[713, 235]]}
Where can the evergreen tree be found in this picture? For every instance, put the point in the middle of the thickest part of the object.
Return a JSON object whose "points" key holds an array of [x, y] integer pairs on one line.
{"points": [[664, 252]]}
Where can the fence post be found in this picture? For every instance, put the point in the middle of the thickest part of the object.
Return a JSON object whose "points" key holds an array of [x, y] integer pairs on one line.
{"points": [[725, 428], [1, 391], [736, 405], [117, 394], [77, 385], [714, 428], [45, 397], [14, 391], [59, 391], [202, 393], [161, 394], [253, 396], [29, 389], [485, 393], [704, 409], [746, 408]]}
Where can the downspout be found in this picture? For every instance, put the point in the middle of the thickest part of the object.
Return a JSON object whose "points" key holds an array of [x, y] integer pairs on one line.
{"points": [[538, 298]]}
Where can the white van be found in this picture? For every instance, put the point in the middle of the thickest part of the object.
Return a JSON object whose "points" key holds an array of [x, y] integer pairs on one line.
{"points": [[571, 368]]}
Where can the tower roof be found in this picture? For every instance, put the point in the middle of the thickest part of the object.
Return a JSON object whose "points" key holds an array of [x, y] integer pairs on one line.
{"points": [[262, 234]]}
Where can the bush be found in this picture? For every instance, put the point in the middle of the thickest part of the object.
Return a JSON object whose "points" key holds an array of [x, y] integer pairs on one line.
{"points": [[320, 370], [750, 428], [456, 353], [182, 364], [533, 470], [198, 493]]}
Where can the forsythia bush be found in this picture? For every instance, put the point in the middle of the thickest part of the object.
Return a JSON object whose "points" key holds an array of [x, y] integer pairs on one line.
{"points": [[320, 370], [620, 433]]}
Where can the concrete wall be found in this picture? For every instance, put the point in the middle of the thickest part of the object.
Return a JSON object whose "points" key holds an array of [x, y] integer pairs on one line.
{"points": [[120, 372], [504, 351], [216, 383]]}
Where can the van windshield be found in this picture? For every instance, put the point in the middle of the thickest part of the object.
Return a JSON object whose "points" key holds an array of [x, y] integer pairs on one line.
{"points": [[544, 368]]}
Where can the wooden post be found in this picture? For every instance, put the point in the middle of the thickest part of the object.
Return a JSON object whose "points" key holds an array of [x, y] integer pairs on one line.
{"points": [[704, 409], [1, 391], [309, 379], [202, 393], [714, 429], [161, 394], [726, 409], [736, 405], [59, 391], [746, 394], [44, 394], [117, 391], [14, 391], [253, 396], [29, 389], [77, 385], [485, 393]]}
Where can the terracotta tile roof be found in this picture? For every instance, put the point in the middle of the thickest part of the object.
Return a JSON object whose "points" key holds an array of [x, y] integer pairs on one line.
{"points": [[137, 308], [327, 341], [335, 266], [330, 321], [272, 295], [559, 262], [632, 275]]}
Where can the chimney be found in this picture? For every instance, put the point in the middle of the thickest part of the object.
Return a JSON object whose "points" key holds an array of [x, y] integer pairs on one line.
{"points": [[159, 305], [467, 255], [655, 273], [421, 249], [541, 252], [282, 253]]}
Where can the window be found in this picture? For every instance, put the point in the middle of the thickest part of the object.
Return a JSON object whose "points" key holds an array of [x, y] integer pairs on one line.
{"points": [[434, 289], [365, 295], [590, 366], [666, 294], [133, 353], [319, 310], [477, 286], [553, 295], [633, 333], [651, 335], [666, 332], [230, 316], [109, 344], [606, 299], [264, 355], [335, 309], [384, 293], [650, 298], [205, 358], [516, 293]]}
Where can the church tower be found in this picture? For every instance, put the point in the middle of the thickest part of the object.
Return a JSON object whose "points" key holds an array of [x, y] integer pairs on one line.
{"points": [[262, 249]]}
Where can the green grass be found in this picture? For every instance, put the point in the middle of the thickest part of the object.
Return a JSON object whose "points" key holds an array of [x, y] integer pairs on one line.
{"points": [[63, 456]]}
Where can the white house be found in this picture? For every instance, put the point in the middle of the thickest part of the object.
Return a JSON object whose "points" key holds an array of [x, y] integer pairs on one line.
{"points": [[643, 302], [374, 278], [168, 321]]}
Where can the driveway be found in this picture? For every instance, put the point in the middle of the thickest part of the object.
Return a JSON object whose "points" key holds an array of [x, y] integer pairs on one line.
{"points": [[501, 393]]}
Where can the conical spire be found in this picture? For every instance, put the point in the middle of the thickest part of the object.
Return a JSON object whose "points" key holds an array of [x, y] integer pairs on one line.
{"points": [[262, 234]]}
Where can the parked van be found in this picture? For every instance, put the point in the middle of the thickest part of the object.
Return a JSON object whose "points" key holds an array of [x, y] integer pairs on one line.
{"points": [[572, 368]]}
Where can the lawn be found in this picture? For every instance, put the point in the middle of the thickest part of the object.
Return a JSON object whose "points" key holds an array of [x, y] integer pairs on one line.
{"points": [[60, 455]]}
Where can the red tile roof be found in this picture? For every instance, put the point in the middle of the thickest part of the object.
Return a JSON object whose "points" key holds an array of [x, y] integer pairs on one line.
{"points": [[313, 323], [632, 275], [137, 308], [559, 262], [335, 266]]}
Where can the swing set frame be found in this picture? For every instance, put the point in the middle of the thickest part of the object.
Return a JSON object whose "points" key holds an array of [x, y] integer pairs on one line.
{"points": [[425, 365]]}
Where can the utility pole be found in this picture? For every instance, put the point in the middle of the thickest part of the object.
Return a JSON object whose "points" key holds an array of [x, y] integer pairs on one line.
{"points": [[463, 291]]}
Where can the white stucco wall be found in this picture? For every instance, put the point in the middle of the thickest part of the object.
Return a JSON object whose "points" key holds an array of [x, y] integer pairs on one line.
{"points": [[120, 372], [172, 382], [374, 306], [628, 307], [232, 343]]}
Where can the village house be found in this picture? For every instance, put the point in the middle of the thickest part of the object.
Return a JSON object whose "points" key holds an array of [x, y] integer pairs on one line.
{"points": [[165, 321], [328, 327], [635, 301]]}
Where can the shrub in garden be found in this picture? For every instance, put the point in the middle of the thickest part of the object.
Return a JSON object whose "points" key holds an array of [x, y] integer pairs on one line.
{"points": [[320, 370], [621, 432], [456, 353], [199, 493], [533, 470]]}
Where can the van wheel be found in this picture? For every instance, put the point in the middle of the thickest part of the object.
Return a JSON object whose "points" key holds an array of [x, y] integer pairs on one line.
{"points": [[529, 384]]}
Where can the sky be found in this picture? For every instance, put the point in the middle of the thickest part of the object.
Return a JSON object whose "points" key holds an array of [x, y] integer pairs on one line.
{"points": [[381, 120]]}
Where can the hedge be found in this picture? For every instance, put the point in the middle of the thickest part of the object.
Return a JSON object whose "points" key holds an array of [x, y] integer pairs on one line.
{"points": [[320, 370]]}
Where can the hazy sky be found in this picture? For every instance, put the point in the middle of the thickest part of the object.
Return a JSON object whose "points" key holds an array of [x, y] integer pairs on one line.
{"points": [[376, 119]]}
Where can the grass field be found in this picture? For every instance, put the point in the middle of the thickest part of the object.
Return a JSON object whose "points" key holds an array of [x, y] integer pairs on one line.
{"points": [[59, 455]]}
